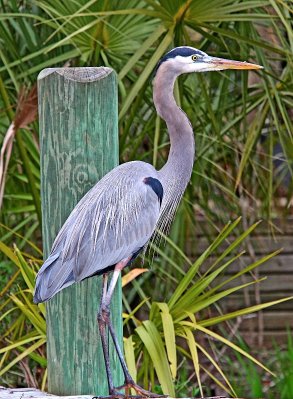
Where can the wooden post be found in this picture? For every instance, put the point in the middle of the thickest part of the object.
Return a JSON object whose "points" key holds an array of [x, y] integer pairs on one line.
{"points": [[79, 144]]}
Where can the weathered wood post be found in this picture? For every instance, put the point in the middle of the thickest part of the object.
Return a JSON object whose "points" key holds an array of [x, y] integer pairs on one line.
{"points": [[79, 144]]}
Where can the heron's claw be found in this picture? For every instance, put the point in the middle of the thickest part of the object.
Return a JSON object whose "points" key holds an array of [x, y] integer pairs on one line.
{"points": [[123, 396], [142, 393], [114, 395], [120, 396]]}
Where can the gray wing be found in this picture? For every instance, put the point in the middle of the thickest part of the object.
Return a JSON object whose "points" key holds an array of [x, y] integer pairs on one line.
{"points": [[111, 222]]}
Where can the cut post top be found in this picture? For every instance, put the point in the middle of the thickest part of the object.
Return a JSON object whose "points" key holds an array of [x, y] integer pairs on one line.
{"points": [[80, 74]]}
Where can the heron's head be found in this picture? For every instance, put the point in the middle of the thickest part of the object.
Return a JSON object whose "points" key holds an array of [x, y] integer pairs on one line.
{"points": [[188, 59]]}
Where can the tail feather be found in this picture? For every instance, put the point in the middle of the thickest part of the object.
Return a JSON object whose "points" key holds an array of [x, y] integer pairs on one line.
{"points": [[44, 289]]}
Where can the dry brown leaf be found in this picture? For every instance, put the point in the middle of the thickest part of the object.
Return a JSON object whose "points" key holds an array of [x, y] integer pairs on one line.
{"points": [[132, 275], [5, 155], [27, 108], [26, 113]]}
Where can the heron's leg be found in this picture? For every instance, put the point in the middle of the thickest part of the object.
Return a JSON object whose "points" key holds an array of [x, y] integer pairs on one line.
{"points": [[104, 286], [102, 329], [105, 305], [127, 376], [129, 383], [104, 313], [104, 320]]}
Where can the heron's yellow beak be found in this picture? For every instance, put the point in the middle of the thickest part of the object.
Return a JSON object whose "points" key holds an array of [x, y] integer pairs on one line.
{"points": [[221, 63]]}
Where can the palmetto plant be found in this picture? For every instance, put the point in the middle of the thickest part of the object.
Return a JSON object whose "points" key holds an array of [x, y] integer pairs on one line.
{"points": [[173, 330], [236, 134], [280, 361], [177, 328], [25, 335]]}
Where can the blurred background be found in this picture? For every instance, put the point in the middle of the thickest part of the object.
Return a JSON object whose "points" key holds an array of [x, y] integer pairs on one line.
{"points": [[206, 299]]}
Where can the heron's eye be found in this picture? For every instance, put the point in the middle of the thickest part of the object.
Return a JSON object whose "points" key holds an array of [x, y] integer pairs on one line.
{"points": [[194, 57]]}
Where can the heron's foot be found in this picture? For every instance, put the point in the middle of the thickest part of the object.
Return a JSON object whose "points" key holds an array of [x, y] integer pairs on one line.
{"points": [[141, 393], [113, 395]]}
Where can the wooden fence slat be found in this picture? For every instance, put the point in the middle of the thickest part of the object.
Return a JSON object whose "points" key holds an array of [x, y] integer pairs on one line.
{"points": [[277, 226], [234, 302], [262, 244], [281, 264], [275, 283], [271, 323], [269, 339]]}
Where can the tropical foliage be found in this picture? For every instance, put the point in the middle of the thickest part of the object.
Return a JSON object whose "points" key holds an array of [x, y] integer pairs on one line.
{"points": [[170, 333], [242, 122], [257, 386], [25, 334], [184, 323]]}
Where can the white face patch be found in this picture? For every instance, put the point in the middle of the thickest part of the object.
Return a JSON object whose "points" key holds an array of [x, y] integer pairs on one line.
{"points": [[197, 67], [188, 64], [183, 60], [190, 59]]}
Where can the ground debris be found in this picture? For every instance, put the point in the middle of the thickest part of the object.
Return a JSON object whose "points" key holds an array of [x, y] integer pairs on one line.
{"points": [[32, 393]]}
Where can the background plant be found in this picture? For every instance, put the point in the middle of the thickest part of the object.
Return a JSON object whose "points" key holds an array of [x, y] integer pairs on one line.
{"points": [[24, 337], [240, 120], [279, 359], [181, 328], [174, 332]]}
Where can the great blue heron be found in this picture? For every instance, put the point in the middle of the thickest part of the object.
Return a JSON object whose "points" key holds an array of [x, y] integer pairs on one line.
{"points": [[115, 220]]}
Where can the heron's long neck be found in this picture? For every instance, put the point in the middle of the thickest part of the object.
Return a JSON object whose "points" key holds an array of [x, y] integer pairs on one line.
{"points": [[176, 173]]}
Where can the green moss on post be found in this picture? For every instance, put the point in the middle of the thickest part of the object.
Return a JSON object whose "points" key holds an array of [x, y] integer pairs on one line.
{"points": [[79, 144]]}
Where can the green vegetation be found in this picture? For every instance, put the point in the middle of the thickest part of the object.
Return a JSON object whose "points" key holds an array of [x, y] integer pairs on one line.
{"points": [[154, 341], [252, 385], [244, 161]]}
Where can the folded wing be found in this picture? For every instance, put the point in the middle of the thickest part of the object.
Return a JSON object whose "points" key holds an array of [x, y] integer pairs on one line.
{"points": [[111, 222]]}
